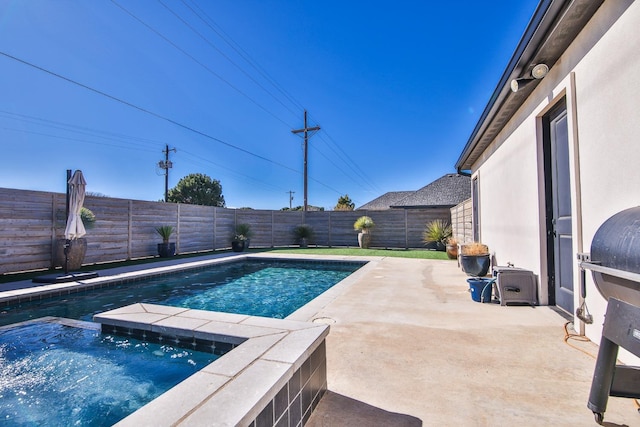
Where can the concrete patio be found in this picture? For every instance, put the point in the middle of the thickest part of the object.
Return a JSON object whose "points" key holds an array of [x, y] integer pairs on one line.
{"points": [[409, 347]]}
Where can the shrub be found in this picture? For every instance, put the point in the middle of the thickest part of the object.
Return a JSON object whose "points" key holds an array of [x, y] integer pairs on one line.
{"points": [[363, 223], [244, 230], [438, 231], [475, 249], [303, 231], [165, 231], [88, 218]]}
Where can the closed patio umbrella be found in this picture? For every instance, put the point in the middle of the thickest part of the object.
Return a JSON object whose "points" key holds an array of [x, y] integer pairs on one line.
{"points": [[75, 227], [73, 231]]}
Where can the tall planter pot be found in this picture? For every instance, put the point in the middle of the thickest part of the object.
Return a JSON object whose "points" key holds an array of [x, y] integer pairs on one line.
{"points": [[475, 265], [237, 245], [75, 253], [364, 240], [166, 250]]}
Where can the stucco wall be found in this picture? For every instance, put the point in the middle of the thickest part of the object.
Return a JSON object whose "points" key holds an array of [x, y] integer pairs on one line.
{"points": [[598, 76]]}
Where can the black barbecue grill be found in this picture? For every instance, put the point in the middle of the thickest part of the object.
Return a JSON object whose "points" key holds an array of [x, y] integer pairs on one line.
{"points": [[615, 266]]}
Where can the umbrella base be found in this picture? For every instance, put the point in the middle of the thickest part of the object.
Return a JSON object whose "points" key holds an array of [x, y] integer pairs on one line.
{"points": [[74, 256], [74, 276]]}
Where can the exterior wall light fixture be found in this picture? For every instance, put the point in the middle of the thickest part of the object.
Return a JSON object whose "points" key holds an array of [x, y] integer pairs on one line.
{"points": [[538, 72]]}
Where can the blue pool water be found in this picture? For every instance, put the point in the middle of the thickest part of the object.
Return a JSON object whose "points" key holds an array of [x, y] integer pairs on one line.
{"points": [[56, 375], [259, 288]]}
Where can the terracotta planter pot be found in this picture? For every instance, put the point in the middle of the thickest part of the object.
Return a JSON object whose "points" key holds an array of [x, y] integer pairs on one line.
{"points": [[452, 251]]}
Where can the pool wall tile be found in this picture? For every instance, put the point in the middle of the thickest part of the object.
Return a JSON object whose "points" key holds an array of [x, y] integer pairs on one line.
{"points": [[265, 418], [281, 402]]}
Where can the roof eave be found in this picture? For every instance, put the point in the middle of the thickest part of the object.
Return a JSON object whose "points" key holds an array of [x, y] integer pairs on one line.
{"points": [[557, 20]]}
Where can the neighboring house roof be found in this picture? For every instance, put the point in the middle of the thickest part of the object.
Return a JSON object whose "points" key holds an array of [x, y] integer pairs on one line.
{"points": [[448, 190], [554, 25], [385, 201]]}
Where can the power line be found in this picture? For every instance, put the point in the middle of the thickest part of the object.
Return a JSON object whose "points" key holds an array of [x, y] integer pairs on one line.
{"points": [[115, 137], [128, 147], [225, 56], [82, 130], [236, 47], [146, 111], [243, 53], [349, 162], [230, 170], [199, 63]]}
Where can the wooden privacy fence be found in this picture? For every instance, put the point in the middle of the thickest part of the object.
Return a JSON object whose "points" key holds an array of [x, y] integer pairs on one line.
{"points": [[461, 221], [32, 221]]}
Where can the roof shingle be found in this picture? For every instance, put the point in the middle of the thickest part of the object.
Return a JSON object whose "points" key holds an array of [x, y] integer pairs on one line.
{"points": [[449, 190]]}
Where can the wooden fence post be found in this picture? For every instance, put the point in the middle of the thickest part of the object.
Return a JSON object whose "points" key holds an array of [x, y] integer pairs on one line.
{"points": [[178, 228], [130, 230]]}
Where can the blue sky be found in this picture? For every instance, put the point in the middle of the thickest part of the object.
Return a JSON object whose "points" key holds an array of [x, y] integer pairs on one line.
{"points": [[102, 86]]}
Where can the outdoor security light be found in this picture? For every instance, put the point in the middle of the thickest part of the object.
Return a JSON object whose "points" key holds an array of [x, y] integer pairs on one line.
{"points": [[538, 72]]}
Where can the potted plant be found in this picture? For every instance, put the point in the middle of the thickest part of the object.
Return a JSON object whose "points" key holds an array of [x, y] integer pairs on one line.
{"points": [[238, 242], [244, 230], [452, 248], [303, 233], [474, 259], [436, 233], [364, 224], [166, 249]]}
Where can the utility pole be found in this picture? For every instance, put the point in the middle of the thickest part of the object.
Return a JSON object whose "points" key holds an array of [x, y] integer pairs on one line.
{"points": [[166, 164], [306, 131], [290, 198]]}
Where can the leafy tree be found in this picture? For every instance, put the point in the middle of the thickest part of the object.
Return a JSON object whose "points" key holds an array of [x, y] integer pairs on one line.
{"points": [[344, 204], [299, 208], [197, 189], [94, 194]]}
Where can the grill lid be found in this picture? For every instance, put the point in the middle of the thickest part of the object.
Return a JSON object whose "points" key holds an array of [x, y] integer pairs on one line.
{"points": [[615, 257]]}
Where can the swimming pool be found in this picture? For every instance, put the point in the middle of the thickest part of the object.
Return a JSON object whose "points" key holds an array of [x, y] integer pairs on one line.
{"points": [[267, 288], [277, 355], [59, 373]]}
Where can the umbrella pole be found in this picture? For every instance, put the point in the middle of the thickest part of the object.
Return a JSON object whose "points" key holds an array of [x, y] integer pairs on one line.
{"points": [[68, 195], [67, 244]]}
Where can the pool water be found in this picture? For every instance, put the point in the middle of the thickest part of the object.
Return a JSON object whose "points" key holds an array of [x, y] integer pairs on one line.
{"points": [[258, 288], [57, 375]]}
